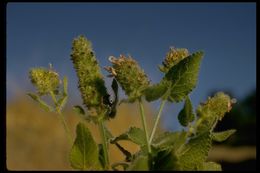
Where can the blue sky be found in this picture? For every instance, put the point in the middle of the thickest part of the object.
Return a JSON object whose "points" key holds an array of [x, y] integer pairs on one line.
{"points": [[42, 33]]}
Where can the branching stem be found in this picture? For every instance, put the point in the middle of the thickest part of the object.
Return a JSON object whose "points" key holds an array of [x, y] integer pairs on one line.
{"points": [[157, 121], [144, 125]]}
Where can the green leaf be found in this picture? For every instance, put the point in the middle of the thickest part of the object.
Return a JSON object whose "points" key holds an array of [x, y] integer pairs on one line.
{"points": [[79, 110], [84, 154], [182, 78], [186, 115], [170, 140], [195, 152], [134, 134], [43, 105], [139, 164], [65, 85], [155, 92], [166, 160], [168, 145], [210, 166], [222, 136]]}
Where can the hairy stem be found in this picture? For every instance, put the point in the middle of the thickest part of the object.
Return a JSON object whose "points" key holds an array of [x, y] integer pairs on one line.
{"points": [[144, 126], [157, 120], [104, 143]]}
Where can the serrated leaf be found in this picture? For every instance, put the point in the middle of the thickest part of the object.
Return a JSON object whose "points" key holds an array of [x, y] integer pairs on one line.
{"points": [[169, 140], [167, 147], [84, 154], [182, 78], [155, 92], [43, 105], [222, 136], [210, 166], [195, 152], [186, 115], [79, 110], [134, 134], [139, 164]]}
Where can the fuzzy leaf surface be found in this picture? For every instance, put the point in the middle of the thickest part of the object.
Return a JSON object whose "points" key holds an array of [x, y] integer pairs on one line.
{"points": [[186, 115], [84, 154], [134, 134], [182, 78]]}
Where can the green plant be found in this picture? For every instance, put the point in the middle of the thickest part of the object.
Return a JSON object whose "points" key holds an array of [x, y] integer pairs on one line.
{"points": [[181, 150]]}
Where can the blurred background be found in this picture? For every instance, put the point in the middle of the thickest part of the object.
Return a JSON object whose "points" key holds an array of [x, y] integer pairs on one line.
{"points": [[42, 33]]}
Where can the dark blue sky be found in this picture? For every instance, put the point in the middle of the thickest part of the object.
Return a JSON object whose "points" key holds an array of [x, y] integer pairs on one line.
{"points": [[42, 33]]}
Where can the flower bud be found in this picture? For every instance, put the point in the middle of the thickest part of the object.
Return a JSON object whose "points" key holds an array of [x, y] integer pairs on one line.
{"points": [[129, 75], [90, 79], [44, 80], [173, 57]]}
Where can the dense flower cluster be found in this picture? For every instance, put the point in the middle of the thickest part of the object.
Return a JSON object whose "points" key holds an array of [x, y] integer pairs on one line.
{"points": [[129, 75], [173, 57], [91, 83], [45, 80]]}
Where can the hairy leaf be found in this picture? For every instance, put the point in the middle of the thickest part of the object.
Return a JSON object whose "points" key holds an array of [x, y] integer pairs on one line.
{"points": [[43, 105], [134, 134], [222, 136], [170, 140], [84, 154], [195, 152], [182, 78], [155, 92], [186, 115]]}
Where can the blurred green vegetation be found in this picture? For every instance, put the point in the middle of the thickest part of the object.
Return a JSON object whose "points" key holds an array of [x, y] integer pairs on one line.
{"points": [[36, 139]]}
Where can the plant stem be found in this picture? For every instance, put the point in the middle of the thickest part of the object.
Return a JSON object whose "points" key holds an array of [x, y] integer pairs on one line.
{"points": [[53, 97], [157, 120], [144, 126], [104, 143], [61, 117]]}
